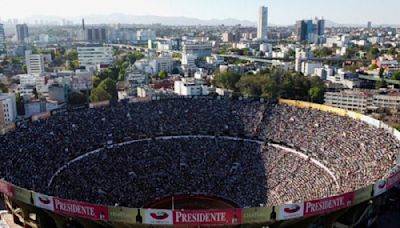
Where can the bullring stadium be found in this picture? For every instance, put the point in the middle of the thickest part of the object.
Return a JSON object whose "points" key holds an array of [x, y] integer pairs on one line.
{"points": [[197, 162]]}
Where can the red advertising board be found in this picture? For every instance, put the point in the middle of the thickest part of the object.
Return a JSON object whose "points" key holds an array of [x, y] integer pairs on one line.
{"points": [[327, 205], [208, 217], [392, 181], [7, 188], [83, 210]]}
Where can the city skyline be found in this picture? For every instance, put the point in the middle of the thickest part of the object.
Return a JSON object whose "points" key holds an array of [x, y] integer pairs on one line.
{"points": [[281, 12]]}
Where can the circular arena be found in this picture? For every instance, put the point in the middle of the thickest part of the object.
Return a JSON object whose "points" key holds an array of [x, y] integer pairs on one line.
{"points": [[189, 161]]}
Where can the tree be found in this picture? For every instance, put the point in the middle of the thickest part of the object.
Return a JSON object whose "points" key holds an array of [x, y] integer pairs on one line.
{"points": [[162, 75], [110, 87], [3, 88], [323, 52], [316, 94], [175, 71], [372, 67], [396, 75], [20, 104], [35, 93], [99, 94], [96, 81], [134, 56], [381, 84], [72, 55], [227, 80], [74, 64], [77, 98], [381, 72]]}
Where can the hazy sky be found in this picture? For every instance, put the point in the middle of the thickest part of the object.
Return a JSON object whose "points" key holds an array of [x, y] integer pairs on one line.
{"points": [[281, 11]]}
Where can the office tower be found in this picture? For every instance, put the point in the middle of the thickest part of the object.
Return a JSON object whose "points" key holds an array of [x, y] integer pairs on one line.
{"points": [[22, 33], [2, 39], [262, 25], [312, 31], [369, 26], [96, 35]]}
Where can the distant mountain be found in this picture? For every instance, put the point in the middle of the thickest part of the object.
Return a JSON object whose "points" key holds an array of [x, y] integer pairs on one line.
{"points": [[329, 23], [144, 19]]}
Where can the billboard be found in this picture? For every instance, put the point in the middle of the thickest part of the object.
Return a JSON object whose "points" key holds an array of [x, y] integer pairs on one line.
{"points": [[43, 201], [7, 188], [83, 210], [158, 217], [126, 215], [290, 211], [256, 215], [323, 206], [208, 217]]}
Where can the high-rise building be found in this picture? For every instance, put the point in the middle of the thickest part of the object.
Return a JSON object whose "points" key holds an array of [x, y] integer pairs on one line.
{"points": [[262, 25], [22, 33], [95, 34], [34, 63], [2, 39], [369, 26], [310, 30]]}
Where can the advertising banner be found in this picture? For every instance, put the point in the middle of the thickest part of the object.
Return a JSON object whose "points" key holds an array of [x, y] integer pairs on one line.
{"points": [[392, 181], [23, 195], [7, 188], [158, 217], [379, 188], [83, 210], [126, 215], [43, 201], [208, 217], [290, 211], [327, 205], [363, 194], [256, 215]]}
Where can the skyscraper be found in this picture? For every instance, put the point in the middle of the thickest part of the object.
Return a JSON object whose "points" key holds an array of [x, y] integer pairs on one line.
{"points": [[262, 25], [312, 31], [22, 33], [369, 26], [2, 39]]}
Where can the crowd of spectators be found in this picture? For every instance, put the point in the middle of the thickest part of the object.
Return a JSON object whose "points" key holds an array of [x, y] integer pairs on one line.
{"points": [[247, 172]]}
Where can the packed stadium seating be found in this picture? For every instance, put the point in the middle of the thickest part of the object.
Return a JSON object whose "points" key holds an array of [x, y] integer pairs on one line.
{"points": [[221, 147]]}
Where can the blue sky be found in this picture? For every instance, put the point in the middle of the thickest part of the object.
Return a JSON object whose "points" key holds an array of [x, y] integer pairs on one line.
{"points": [[282, 12]]}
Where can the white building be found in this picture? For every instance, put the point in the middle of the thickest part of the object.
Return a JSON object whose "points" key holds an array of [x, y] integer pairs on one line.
{"points": [[199, 49], [26, 80], [363, 100], [262, 24], [8, 108], [34, 63], [301, 55], [191, 87], [189, 60], [92, 56], [308, 68], [163, 63]]}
